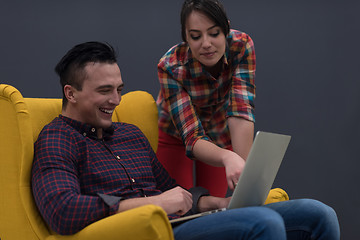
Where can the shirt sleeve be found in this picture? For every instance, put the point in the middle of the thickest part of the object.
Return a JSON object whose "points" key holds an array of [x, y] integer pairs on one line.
{"points": [[56, 186], [181, 110], [242, 93]]}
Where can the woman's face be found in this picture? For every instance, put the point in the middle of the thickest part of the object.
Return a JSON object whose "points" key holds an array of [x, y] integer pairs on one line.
{"points": [[206, 40]]}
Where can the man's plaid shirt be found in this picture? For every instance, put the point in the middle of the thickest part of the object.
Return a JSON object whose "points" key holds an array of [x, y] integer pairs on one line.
{"points": [[78, 179]]}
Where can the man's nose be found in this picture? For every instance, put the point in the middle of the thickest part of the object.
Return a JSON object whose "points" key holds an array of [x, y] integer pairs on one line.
{"points": [[115, 98]]}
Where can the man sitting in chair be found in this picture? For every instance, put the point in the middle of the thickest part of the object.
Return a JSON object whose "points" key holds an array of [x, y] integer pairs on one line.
{"points": [[87, 168]]}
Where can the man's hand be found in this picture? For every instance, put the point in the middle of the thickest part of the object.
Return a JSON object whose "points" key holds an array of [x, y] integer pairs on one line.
{"points": [[176, 200], [208, 203]]}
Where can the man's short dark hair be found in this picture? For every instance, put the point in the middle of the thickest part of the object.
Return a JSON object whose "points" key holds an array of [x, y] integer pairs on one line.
{"points": [[213, 9], [71, 67]]}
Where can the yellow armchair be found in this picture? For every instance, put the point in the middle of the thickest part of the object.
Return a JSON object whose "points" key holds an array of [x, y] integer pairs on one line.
{"points": [[21, 120]]}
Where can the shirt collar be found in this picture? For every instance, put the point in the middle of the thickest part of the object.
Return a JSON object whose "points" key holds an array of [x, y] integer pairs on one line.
{"points": [[86, 129]]}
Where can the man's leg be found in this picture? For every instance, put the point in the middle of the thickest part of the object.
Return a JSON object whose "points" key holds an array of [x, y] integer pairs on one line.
{"points": [[308, 219], [236, 224]]}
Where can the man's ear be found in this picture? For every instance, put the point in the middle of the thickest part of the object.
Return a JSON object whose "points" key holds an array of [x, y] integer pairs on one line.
{"points": [[229, 29], [70, 93]]}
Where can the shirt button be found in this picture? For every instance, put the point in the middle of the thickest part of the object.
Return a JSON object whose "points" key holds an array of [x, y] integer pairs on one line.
{"points": [[118, 157], [133, 180], [93, 129], [84, 134]]}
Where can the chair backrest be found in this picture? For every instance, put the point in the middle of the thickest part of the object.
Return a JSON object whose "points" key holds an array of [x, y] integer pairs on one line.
{"points": [[21, 120]]}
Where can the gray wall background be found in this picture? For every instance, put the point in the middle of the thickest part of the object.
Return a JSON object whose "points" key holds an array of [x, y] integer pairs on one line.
{"points": [[307, 73]]}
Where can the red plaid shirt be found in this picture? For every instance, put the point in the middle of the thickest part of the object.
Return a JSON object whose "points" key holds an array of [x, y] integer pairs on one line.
{"points": [[193, 105]]}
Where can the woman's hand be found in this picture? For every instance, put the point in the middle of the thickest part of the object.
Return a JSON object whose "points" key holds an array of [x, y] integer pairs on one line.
{"points": [[234, 165], [215, 156]]}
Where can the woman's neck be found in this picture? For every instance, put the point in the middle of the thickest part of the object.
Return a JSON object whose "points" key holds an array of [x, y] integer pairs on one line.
{"points": [[216, 69]]}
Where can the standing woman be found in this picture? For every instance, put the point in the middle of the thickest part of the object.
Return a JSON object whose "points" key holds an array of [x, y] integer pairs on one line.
{"points": [[206, 99]]}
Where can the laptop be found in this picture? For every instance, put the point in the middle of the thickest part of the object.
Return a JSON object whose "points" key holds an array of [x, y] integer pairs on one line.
{"points": [[257, 178]]}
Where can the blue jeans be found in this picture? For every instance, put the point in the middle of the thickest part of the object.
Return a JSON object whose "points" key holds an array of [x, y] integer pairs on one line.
{"points": [[294, 219]]}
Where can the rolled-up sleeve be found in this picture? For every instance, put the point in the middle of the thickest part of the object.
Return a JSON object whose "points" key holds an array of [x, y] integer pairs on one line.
{"points": [[243, 85], [181, 109]]}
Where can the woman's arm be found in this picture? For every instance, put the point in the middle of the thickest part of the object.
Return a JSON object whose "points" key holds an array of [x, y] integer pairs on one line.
{"points": [[213, 155], [242, 134]]}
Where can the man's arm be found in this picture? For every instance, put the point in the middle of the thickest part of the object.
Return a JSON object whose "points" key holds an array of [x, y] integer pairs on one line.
{"points": [[177, 201], [56, 186], [174, 201]]}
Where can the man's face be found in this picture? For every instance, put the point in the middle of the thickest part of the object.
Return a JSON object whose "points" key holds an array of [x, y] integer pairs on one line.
{"points": [[100, 94]]}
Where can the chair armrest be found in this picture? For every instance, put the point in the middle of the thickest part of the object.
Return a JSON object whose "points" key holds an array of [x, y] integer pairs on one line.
{"points": [[146, 222], [276, 195]]}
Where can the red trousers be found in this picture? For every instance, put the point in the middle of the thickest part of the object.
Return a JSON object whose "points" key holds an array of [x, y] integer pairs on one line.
{"points": [[171, 153]]}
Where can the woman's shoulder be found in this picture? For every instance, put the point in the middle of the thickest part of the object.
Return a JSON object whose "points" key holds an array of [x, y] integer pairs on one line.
{"points": [[175, 56], [239, 36], [238, 40]]}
